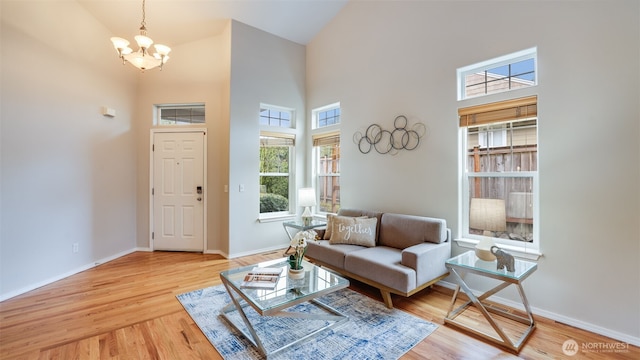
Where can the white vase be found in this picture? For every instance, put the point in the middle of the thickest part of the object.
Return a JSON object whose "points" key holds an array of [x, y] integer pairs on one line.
{"points": [[296, 273]]}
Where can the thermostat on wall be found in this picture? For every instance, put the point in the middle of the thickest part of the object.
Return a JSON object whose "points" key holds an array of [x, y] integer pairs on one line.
{"points": [[106, 111]]}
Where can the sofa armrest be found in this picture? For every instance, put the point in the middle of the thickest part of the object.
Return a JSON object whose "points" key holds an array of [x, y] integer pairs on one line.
{"points": [[427, 259]]}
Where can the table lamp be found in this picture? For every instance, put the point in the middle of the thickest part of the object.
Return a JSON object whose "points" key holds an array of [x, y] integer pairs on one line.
{"points": [[306, 198]]}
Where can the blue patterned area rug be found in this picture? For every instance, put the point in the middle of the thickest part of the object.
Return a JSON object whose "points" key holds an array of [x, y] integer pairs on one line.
{"points": [[372, 332]]}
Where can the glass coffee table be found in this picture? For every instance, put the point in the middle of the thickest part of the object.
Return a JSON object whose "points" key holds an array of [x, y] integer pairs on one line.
{"points": [[279, 301], [469, 263]]}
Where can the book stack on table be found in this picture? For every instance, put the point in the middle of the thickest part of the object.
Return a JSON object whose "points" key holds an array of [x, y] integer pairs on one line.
{"points": [[262, 278]]}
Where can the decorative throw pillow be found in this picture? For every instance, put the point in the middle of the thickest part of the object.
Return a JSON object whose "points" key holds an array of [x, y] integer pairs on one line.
{"points": [[327, 232], [354, 231]]}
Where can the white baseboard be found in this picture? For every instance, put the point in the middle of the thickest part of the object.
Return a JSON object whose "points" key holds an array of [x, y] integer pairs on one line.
{"points": [[82, 268], [557, 317], [217, 252]]}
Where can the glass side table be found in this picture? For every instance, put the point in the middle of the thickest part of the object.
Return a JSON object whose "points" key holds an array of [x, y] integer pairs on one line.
{"points": [[300, 226], [469, 263]]}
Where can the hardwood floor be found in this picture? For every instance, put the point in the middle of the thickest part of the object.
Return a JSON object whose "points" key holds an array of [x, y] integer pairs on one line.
{"points": [[127, 309]]}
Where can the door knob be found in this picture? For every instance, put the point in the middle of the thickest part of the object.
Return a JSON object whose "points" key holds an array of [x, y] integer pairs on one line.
{"points": [[199, 198]]}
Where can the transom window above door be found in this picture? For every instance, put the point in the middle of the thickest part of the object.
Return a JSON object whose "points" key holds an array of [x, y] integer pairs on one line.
{"points": [[180, 114]]}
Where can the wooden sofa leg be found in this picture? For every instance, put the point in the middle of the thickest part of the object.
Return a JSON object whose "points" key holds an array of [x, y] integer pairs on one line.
{"points": [[386, 297]]}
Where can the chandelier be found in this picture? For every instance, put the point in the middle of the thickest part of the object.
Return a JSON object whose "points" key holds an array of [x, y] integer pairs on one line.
{"points": [[141, 58]]}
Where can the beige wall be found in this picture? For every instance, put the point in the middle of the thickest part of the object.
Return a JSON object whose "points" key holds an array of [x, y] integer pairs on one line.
{"points": [[67, 172], [71, 176], [382, 59]]}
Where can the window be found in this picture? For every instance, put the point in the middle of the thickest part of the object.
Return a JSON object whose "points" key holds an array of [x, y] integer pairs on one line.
{"points": [[180, 114], [326, 116], [506, 73], [276, 152], [500, 167], [326, 152], [276, 160], [326, 148], [276, 116]]}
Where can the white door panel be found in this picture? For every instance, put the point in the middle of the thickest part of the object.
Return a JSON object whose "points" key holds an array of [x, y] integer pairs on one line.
{"points": [[178, 170]]}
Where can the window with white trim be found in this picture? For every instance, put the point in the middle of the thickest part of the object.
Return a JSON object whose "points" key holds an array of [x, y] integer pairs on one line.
{"points": [[276, 173], [326, 116], [500, 172], [183, 114], [506, 73], [326, 155], [277, 149], [326, 149], [276, 116]]}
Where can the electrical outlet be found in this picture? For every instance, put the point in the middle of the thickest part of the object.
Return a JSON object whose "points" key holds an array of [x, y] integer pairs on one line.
{"points": [[75, 247]]}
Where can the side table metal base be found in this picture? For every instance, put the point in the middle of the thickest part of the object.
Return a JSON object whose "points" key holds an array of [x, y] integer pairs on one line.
{"points": [[503, 339]]}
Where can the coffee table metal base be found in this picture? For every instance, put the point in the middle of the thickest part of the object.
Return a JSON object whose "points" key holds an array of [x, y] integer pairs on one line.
{"points": [[238, 304]]}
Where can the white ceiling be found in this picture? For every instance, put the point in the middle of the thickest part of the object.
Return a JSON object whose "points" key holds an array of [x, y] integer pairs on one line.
{"points": [[174, 22]]}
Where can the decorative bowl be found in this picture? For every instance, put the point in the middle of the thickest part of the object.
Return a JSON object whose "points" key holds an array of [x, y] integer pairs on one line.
{"points": [[485, 254], [483, 250]]}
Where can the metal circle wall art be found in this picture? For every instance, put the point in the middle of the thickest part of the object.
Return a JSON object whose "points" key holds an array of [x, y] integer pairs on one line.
{"points": [[390, 141]]}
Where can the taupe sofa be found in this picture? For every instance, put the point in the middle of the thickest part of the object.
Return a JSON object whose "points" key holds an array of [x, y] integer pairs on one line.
{"points": [[408, 254]]}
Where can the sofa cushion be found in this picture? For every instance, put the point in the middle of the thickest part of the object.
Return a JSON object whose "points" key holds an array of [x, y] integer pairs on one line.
{"points": [[354, 231], [386, 269], [333, 255], [402, 231]]}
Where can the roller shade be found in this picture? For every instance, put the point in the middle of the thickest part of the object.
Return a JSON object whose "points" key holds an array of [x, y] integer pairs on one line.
{"points": [[277, 139], [326, 139], [515, 109]]}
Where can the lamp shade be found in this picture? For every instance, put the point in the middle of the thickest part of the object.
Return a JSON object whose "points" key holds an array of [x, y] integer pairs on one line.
{"points": [[143, 41], [119, 43], [487, 214], [162, 49], [306, 197]]}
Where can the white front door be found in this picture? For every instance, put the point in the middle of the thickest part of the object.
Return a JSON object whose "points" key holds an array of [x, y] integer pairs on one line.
{"points": [[178, 191]]}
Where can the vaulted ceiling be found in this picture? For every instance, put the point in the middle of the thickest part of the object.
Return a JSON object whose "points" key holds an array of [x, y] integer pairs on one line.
{"points": [[174, 22]]}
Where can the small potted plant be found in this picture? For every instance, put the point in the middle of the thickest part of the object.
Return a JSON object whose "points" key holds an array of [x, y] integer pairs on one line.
{"points": [[299, 246]]}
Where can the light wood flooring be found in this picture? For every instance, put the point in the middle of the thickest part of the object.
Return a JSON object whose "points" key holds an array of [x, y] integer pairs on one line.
{"points": [[127, 309]]}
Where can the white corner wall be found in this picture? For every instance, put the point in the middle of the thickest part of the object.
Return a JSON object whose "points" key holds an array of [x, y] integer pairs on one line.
{"points": [[264, 69], [67, 172], [383, 59]]}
